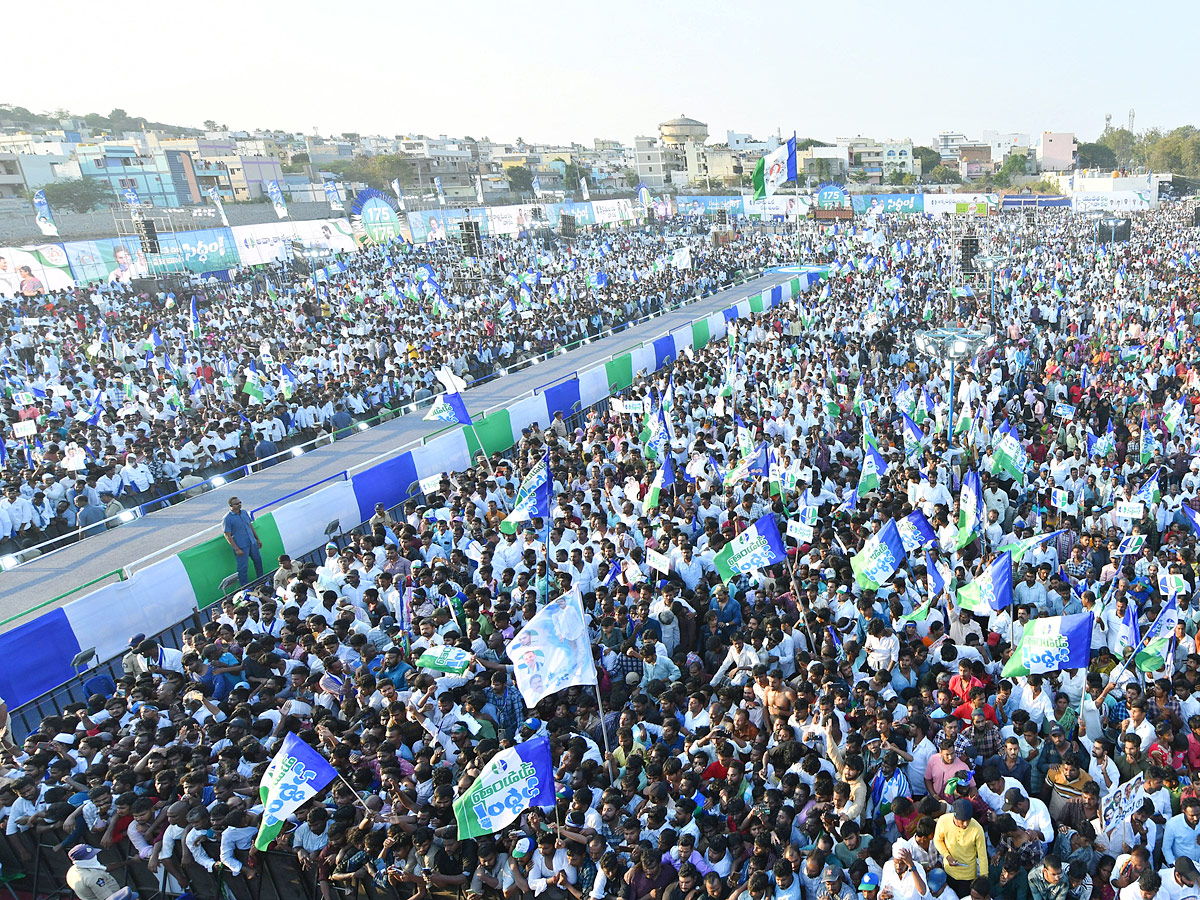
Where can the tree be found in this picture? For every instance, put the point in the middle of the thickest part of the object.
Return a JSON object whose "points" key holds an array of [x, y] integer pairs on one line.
{"points": [[210, 124], [1014, 166], [1096, 156], [520, 179], [632, 178], [1122, 142], [930, 158], [900, 178], [944, 175], [571, 177], [78, 194], [374, 171]]}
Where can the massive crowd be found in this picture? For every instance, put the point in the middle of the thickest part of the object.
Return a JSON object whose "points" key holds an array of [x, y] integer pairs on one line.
{"points": [[788, 733], [139, 396]]}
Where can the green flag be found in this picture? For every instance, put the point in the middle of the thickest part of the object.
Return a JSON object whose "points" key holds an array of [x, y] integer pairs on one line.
{"points": [[445, 658]]}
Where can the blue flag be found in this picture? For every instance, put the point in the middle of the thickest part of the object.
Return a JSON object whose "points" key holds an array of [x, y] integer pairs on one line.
{"points": [[880, 556], [1129, 632], [511, 782], [915, 531], [296, 775], [1051, 644], [757, 547], [992, 591], [533, 497], [449, 407]]}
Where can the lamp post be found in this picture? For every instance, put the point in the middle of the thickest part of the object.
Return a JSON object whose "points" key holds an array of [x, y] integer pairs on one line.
{"points": [[1095, 215], [990, 265], [952, 344]]}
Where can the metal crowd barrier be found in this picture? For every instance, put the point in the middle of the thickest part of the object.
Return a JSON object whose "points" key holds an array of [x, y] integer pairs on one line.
{"points": [[27, 717], [241, 470], [33, 864]]}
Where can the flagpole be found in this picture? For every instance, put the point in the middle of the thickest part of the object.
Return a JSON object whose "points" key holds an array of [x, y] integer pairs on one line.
{"points": [[487, 460], [600, 706], [549, 510]]}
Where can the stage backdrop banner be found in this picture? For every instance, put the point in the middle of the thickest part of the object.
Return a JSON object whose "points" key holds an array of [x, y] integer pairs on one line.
{"points": [[516, 220], [611, 212], [207, 250], [699, 206], [777, 206], [1085, 201], [111, 260], [901, 203], [961, 204]]}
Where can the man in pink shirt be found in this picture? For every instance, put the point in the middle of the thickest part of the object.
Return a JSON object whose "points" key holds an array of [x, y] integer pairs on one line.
{"points": [[941, 768]]}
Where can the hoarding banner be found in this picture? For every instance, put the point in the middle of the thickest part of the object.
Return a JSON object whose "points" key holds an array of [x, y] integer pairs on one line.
{"points": [[259, 244], [888, 203], [514, 220], [960, 204], [45, 219], [609, 212], [777, 206], [109, 260], [207, 250], [34, 269], [1084, 201]]}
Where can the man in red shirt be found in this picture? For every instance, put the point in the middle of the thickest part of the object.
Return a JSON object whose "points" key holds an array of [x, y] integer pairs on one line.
{"points": [[961, 684], [976, 699]]}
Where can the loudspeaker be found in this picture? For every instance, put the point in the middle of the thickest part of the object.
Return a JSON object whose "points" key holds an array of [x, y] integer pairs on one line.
{"points": [[1030, 217], [566, 225], [468, 236], [1196, 217], [969, 248], [1120, 232], [144, 285], [722, 217], [149, 235]]}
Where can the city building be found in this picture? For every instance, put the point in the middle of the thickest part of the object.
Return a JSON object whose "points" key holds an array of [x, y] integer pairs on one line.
{"points": [[321, 152], [160, 177], [656, 161], [716, 166], [682, 130], [946, 144], [264, 146], [12, 182], [1057, 151], [744, 143], [822, 164], [40, 169], [975, 160], [1003, 144]]}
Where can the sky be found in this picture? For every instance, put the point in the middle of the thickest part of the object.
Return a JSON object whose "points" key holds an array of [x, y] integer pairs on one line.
{"points": [[563, 72]]}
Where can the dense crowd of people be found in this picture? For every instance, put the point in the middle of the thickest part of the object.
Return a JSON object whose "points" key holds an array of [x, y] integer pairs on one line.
{"points": [[139, 396], [787, 733]]}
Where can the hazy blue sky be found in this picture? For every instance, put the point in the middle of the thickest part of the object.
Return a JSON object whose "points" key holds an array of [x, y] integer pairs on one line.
{"points": [[614, 69]]}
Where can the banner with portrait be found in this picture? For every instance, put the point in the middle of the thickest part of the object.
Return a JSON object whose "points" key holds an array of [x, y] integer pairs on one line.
{"points": [[32, 270]]}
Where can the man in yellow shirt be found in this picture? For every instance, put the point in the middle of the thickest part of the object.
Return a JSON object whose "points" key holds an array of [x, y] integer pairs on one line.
{"points": [[960, 840]]}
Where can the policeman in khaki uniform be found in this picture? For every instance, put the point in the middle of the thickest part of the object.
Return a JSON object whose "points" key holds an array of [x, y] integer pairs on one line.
{"points": [[88, 878]]}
